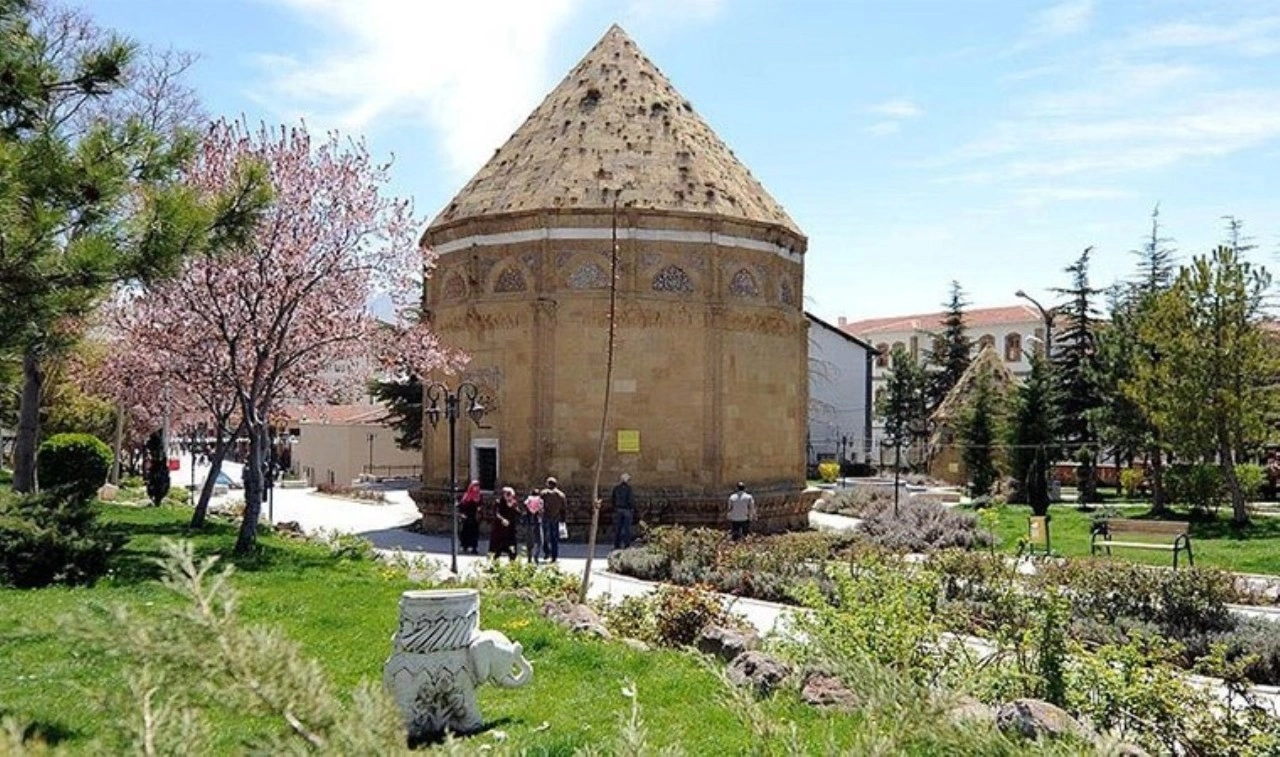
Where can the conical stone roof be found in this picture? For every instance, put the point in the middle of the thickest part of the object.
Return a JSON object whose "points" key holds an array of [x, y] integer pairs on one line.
{"points": [[615, 123]]}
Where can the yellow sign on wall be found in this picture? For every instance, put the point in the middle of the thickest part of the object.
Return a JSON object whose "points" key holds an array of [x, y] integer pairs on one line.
{"points": [[628, 440]]}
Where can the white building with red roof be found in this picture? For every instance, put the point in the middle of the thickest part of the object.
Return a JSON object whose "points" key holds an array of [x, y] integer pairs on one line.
{"points": [[1014, 331]]}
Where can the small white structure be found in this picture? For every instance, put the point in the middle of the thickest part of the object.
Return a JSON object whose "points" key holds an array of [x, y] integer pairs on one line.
{"points": [[439, 656], [840, 410]]}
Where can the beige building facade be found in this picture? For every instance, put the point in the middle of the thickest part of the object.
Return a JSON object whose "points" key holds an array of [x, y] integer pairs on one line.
{"points": [[710, 372], [336, 444]]}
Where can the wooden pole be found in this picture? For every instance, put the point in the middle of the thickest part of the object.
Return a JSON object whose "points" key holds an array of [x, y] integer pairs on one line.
{"points": [[604, 415]]}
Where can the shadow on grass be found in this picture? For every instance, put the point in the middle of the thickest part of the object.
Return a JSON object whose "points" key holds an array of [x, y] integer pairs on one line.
{"points": [[439, 739], [47, 732], [138, 562]]}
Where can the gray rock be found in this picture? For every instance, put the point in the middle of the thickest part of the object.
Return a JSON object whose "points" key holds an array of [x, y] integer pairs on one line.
{"points": [[759, 671], [725, 643], [1034, 718], [579, 618], [636, 644], [967, 709], [1128, 750], [828, 692]]}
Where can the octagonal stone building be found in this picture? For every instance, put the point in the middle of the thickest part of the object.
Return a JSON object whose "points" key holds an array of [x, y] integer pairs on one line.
{"points": [[710, 374]]}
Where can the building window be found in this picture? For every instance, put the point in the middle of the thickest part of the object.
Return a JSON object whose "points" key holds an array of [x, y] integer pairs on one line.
{"points": [[985, 341], [510, 280], [744, 284], [882, 355], [672, 279], [1012, 348]]}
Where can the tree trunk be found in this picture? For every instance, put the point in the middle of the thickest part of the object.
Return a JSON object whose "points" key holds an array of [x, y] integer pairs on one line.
{"points": [[253, 488], [1226, 460], [220, 446], [118, 446], [24, 449], [1157, 480]]}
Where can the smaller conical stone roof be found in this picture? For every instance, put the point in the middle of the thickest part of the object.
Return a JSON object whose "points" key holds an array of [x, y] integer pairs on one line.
{"points": [[615, 123]]}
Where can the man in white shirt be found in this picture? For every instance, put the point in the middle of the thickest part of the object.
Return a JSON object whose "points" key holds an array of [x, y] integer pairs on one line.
{"points": [[742, 510]]}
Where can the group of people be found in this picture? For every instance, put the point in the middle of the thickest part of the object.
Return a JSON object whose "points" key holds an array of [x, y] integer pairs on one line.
{"points": [[537, 522]]}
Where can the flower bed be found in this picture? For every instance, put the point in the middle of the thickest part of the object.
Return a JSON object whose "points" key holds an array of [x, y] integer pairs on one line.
{"points": [[350, 492], [1104, 602]]}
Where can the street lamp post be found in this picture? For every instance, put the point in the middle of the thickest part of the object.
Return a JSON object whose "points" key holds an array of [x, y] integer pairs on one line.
{"points": [[1047, 316], [436, 393]]}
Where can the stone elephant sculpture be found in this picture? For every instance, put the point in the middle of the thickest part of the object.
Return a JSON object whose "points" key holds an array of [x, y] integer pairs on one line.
{"points": [[496, 658]]}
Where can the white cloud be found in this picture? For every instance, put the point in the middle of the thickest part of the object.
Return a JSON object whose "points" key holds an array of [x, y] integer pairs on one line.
{"points": [[898, 108], [1063, 19], [1254, 37], [469, 70], [884, 128], [1039, 196]]}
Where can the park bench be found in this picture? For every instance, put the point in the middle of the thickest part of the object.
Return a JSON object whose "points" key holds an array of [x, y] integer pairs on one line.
{"points": [[1172, 536]]}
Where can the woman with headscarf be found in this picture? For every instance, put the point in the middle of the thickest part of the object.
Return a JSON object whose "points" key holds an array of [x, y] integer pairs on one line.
{"points": [[506, 516], [469, 511]]}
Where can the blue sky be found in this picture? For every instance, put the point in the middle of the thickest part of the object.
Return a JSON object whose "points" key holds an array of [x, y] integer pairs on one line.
{"points": [[914, 141]]}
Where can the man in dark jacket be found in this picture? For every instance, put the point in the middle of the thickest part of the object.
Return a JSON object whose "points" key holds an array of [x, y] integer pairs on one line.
{"points": [[554, 505], [624, 511]]}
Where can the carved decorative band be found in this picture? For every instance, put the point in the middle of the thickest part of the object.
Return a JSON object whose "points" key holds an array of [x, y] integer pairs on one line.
{"points": [[431, 634], [648, 235]]}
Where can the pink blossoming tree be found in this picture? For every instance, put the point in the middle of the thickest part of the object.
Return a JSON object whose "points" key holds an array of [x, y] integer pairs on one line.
{"points": [[248, 328]]}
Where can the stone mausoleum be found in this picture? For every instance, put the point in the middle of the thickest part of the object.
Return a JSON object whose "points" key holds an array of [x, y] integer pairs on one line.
{"points": [[710, 374]]}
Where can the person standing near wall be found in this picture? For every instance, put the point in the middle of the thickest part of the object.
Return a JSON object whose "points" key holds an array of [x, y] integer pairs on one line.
{"points": [[742, 510], [554, 505], [624, 512]]}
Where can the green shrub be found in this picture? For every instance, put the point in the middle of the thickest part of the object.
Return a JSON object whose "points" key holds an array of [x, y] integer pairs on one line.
{"points": [[642, 562], [53, 538], [157, 469], [78, 463], [1252, 478], [1131, 482], [1180, 603], [542, 580], [1255, 642], [681, 612], [1197, 485], [921, 526], [829, 471], [631, 617]]}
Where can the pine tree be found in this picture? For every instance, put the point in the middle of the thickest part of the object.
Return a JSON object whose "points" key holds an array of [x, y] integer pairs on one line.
{"points": [[903, 404], [1033, 437], [952, 353], [979, 437], [403, 399], [1211, 390], [1125, 425], [1076, 368]]}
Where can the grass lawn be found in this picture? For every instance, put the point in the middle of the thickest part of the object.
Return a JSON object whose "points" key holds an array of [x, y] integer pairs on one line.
{"points": [[343, 613], [1215, 543]]}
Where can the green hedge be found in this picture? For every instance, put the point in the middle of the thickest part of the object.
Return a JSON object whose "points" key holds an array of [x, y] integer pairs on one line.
{"points": [[76, 463]]}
